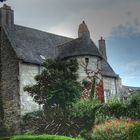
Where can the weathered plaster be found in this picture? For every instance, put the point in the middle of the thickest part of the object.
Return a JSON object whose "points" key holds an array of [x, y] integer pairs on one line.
{"points": [[92, 65], [27, 74]]}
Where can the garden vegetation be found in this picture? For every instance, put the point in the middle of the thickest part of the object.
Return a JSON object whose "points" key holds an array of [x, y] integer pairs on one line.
{"points": [[64, 112]]}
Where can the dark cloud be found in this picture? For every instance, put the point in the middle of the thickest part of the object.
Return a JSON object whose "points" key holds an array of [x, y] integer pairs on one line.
{"points": [[118, 18]]}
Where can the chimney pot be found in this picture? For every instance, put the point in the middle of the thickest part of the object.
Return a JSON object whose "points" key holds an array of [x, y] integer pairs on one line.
{"points": [[7, 16], [83, 30]]}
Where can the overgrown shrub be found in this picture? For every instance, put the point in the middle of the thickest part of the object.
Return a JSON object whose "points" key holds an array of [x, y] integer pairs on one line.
{"points": [[114, 108], [84, 110], [117, 130], [102, 114], [134, 131], [54, 121], [133, 106], [43, 137]]}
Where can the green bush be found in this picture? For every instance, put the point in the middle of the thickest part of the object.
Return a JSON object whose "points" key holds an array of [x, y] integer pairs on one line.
{"points": [[133, 107], [117, 130], [114, 108], [134, 132], [102, 114], [84, 110], [42, 137]]}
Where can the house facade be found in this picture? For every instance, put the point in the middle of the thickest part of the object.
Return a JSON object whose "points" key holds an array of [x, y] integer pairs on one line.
{"points": [[22, 53]]}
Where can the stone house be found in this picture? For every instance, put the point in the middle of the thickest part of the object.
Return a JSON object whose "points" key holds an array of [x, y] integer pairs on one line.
{"points": [[22, 52]]}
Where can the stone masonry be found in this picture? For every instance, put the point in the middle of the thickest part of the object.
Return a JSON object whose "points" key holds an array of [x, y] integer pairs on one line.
{"points": [[9, 85]]}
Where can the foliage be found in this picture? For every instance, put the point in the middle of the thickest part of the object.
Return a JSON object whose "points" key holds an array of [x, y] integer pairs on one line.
{"points": [[133, 106], [54, 121], [31, 132], [116, 130], [134, 100], [93, 88], [30, 115], [111, 109], [56, 88], [43, 137], [84, 110], [57, 84], [114, 108], [134, 131], [102, 114]]}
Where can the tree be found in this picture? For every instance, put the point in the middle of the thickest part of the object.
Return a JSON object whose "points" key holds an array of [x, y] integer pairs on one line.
{"points": [[57, 85], [56, 88]]}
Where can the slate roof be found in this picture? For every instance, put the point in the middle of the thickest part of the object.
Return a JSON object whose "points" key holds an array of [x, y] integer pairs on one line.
{"points": [[107, 69], [78, 47], [30, 43]]}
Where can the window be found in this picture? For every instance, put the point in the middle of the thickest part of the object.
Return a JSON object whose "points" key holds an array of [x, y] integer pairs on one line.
{"points": [[107, 94], [87, 60]]}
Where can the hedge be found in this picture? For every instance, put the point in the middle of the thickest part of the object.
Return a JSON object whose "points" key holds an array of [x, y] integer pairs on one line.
{"points": [[42, 137]]}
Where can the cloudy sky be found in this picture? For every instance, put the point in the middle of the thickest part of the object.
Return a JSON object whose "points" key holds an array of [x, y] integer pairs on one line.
{"points": [[118, 21]]}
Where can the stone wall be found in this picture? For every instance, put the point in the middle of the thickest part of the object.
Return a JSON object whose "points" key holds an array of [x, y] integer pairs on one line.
{"points": [[27, 74], [9, 85]]}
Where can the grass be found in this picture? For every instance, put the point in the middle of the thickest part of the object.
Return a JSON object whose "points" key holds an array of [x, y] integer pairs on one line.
{"points": [[42, 137]]}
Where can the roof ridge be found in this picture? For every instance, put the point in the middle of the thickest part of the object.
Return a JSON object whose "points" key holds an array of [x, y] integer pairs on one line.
{"points": [[42, 31], [68, 42]]}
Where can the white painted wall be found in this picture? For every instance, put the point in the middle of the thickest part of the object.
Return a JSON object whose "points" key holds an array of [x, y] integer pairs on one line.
{"points": [[110, 87], [27, 74], [92, 65]]}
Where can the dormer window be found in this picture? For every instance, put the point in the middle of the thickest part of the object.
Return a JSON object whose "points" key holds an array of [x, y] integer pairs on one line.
{"points": [[42, 57]]}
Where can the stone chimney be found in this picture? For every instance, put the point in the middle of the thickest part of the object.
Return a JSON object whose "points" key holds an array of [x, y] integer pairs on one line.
{"points": [[83, 31], [6, 16], [102, 48]]}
